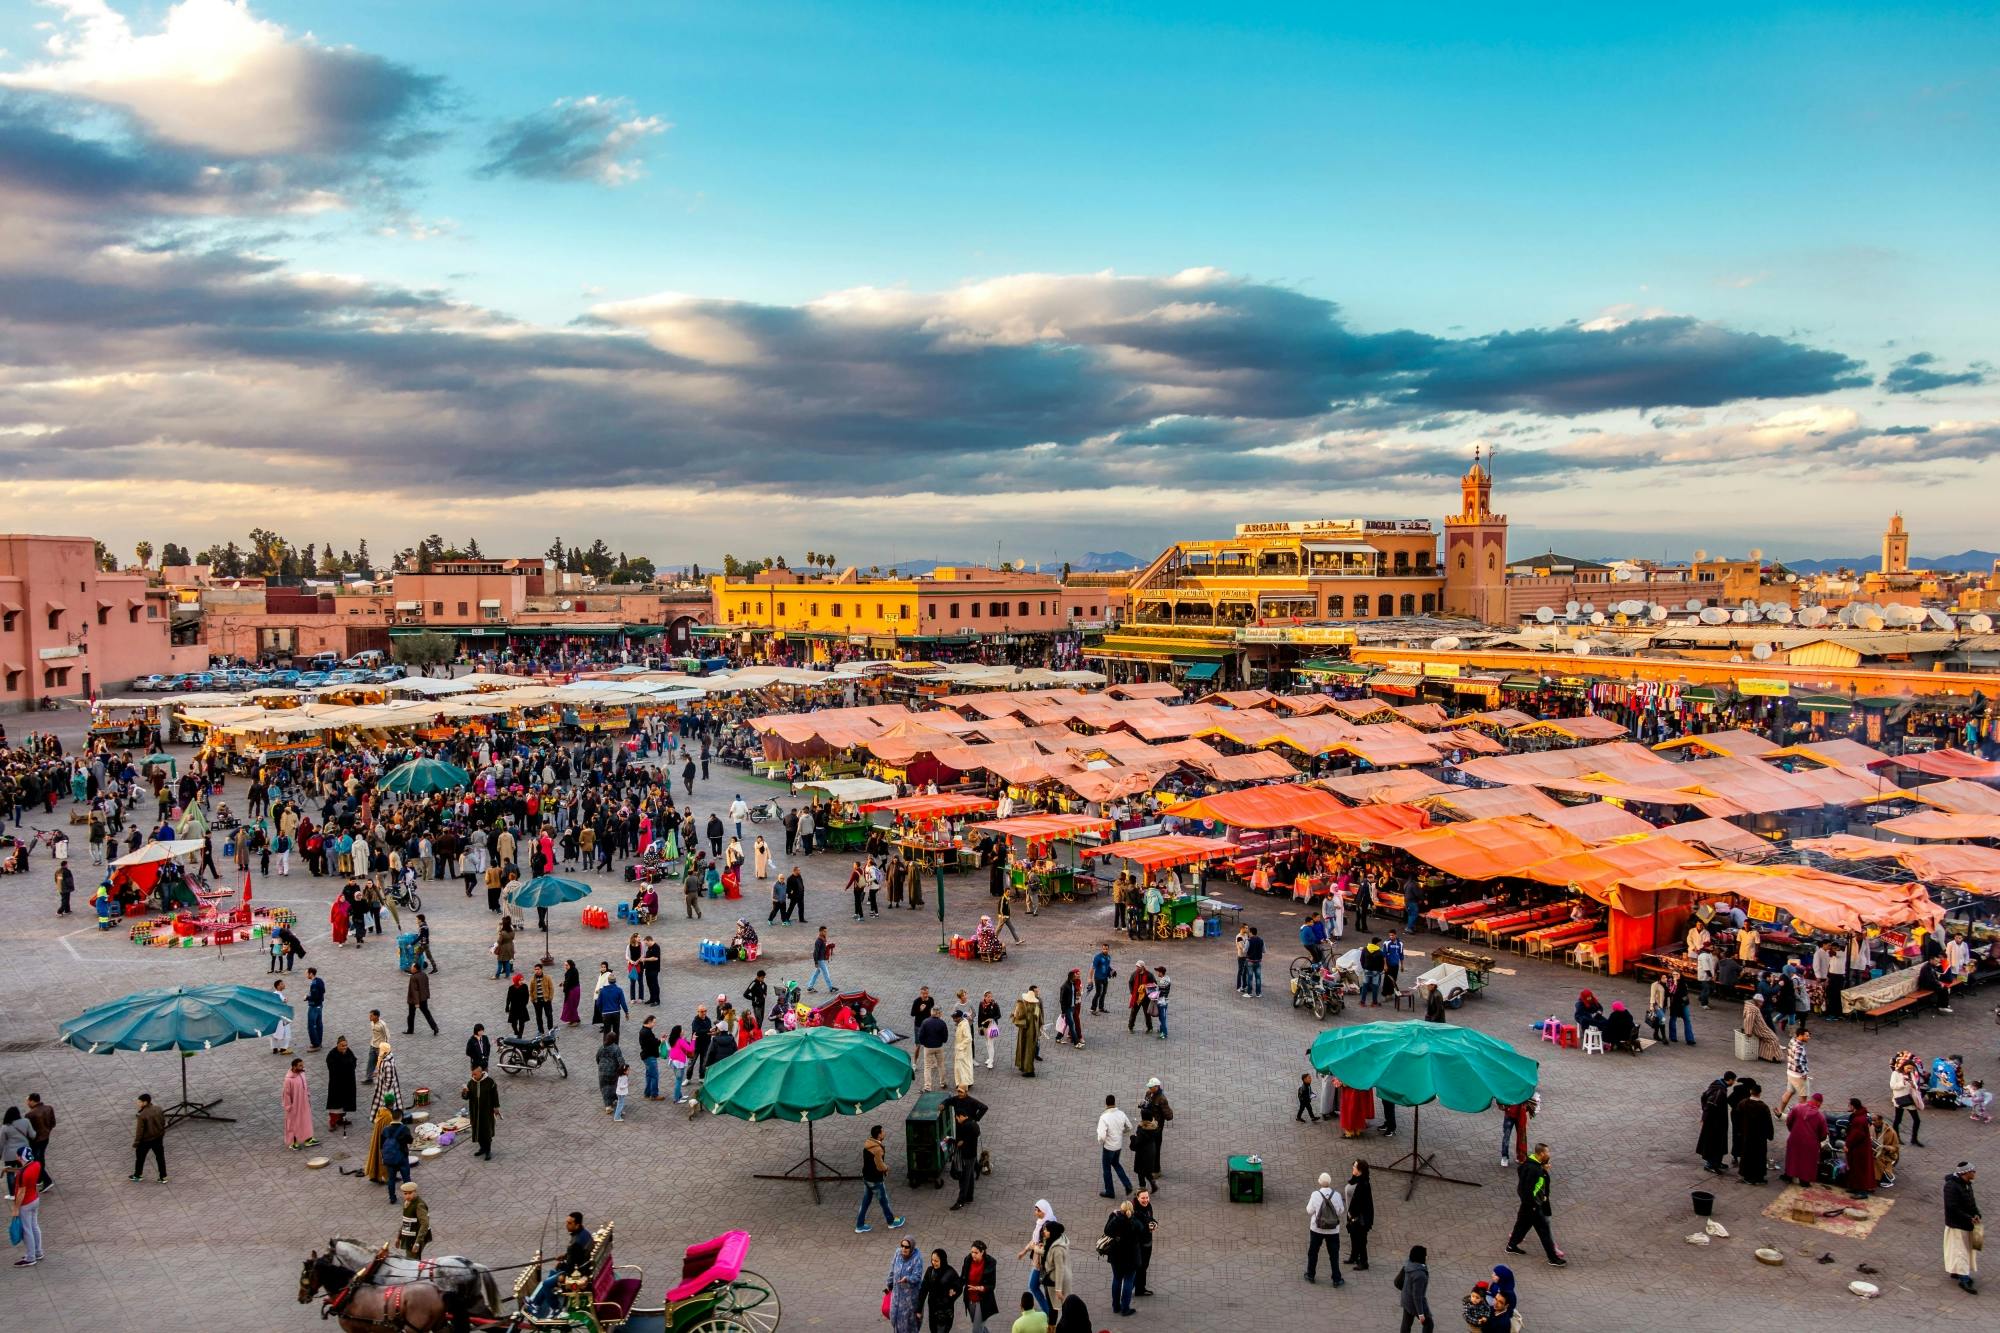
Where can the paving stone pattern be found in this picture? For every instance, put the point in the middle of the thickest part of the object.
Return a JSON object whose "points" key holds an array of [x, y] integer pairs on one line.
{"points": [[218, 1247]]}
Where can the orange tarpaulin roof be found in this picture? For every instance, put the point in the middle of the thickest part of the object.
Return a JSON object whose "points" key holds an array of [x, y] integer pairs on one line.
{"points": [[1974, 868], [1595, 872], [1384, 748], [1644, 795], [1486, 848], [1424, 717], [1599, 821], [1046, 827], [1239, 699], [1169, 849], [1586, 728], [1490, 802], [1735, 742], [1465, 738], [1108, 784], [1959, 796], [1623, 760], [1357, 709], [941, 806], [1148, 689], [1838, 750], [1946, 764], [1395, 785], [1818, 898], [1303, 705], [1505, 719], [1942, 824], [1364, 823], [1718, 835], [1260, 766], [1260, 807]]}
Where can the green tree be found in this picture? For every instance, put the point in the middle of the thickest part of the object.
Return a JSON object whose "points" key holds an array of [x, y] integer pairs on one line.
{"points": [[732, 568], [144, 550], [598, 561], [555, 554], [362, 565], [472, 551], [427, 649], [105, 560], [267, 553], [309, 560]]}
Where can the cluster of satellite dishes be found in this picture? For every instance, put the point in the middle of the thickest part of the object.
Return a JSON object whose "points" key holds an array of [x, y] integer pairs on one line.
{"points": [[1856, 615], [1587, 611]]}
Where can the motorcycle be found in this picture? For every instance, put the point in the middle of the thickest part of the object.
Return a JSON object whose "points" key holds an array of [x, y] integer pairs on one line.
{"points": [[520, 1054], [764, 810], [404, 895]]}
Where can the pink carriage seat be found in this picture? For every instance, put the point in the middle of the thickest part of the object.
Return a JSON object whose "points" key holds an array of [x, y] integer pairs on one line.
{"points": [[712, 1261]]}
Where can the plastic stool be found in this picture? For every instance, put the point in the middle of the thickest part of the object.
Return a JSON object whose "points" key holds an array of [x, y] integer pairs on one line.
{"points": [[1593, 1042], [1569, 1035], [1552, 1030]]}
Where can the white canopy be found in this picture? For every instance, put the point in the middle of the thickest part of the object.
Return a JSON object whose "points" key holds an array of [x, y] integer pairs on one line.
{"points": [[852, 789], [160, 851]]}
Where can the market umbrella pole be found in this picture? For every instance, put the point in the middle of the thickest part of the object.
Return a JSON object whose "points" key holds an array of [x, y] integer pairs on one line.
{"points": [[814, 1170], [1422, 1165], [942, 943], [187, 1109]]}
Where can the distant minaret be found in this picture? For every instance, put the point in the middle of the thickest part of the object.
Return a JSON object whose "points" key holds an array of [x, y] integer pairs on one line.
{"points": [[1896, 547], [1475, 550]]}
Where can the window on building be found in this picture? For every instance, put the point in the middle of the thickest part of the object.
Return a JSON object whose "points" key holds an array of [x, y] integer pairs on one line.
{"points": [[55, 677], [836, 610], [812, 608], [743, 609], [930, 610], [954, 610], [1093, 612], [1402, 562], [880, 611], [975, 610], [1043, 605], [7, 621], [1336, 605], [461, 608], [1023, 611], [104, 615], [1409, 604], [13, 681], [998, 610], [1492, 562], [1361, 604], [1461, 560], [781, 608], [55, 620], [1430, 602], [132, 615], [1423, 561]]}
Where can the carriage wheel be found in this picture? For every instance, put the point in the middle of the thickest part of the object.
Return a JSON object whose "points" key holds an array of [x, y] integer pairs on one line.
{"points": [[750, 1306]]}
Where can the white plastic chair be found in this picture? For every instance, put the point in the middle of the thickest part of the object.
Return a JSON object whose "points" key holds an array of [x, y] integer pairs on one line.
{"points": [[1593, 1042]]}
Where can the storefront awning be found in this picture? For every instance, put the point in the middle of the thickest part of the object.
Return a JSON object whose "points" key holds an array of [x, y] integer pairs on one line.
{"points": [[1823, 703], [1328, 667], [1203, 671], [1337, 548], [1522, 683]]}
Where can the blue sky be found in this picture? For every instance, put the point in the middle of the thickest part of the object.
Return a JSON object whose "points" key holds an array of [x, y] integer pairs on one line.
{"points": [[1712, 238]]}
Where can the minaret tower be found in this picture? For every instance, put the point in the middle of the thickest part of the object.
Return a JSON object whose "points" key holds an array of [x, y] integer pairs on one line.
{"points": [[1475, 550]]}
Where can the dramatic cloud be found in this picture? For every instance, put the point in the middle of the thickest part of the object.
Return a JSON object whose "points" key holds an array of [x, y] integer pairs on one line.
{"points": [[1913, 374], [576, 139], [217, 79]]}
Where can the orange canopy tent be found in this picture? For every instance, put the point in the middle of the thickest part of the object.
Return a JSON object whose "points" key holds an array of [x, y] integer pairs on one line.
{"points": [[1635, 922], [1466, 738], [1165, 851], [1041, 828], [1385, 749], [1260, 807], [1108, 784], [1818, 898], [1500, 719], [1491, 802], [1942, 825], [1485, 848], [1735, 742], [1718, 835], [1424, 717], [1262, 766], [1959, 796], [1303, 705], [1363, 823], [941, 806], [1649, 794], [1148, 689], [1946, 764], [1584, 729], [1973, 868], [1386, 787], [1837, 750], [1598, 821], [1620, 760]]}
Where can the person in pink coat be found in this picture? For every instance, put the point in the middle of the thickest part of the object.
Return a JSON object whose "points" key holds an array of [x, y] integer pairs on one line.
{"points": [[298, 1109]]}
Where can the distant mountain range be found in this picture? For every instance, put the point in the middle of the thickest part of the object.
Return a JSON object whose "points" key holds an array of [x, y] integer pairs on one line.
{"points": [[1963, 562]]}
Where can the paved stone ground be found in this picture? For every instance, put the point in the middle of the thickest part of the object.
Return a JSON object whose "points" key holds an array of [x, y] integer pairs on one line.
{"points": [[218, 1247]]}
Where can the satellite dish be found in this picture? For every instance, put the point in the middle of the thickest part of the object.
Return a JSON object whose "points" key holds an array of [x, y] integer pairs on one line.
{"points": [[1694, 604], [1597, 617], [1980, 624], [1583, 650], [1783, 615], [1589, 608], [1571, 607], [1656, 613], [1812, 617], [1623, 574], [1736, 657], [1448, 643], [1543, 615], [565, 604], [1713, 615], [1761, 652], [1791, 578], [1739, 616], [1871, 622], [1938, 619]]}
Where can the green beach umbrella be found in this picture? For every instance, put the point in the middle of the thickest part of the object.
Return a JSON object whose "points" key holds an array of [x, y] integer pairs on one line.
{"points": [[1414, 1063], [805, 1075], [178, 1018], [548, 891], [159, 757], [420, 776]]}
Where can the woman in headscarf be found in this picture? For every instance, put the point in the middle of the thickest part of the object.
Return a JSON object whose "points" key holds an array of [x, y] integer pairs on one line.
{"points": [[1589, 1012], [1755, 1026], [1414, 1282], [962, 1063], [297, 1102], [1045, 1213], [986, 941], [939, 1291], [1805, 1127], [1502, 1284], [906, 1278], [572, 986], [1074, 1316], [339, 918], [385, 1115], [1860, 1174]]}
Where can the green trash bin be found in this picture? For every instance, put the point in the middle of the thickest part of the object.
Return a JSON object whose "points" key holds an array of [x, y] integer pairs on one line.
{"points": [[924, 1134], [1246, 1180]]}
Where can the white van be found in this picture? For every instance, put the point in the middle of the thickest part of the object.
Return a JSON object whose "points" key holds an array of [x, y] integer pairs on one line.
{"points": [[367, 661]]}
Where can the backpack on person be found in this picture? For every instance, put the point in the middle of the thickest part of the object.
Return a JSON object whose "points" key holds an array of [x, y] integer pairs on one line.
{"points": [[1326, 1212]]}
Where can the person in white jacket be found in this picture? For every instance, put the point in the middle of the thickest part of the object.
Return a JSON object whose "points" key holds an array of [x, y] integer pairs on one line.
{"points": [[1114, 1129], [1324, 1212]]}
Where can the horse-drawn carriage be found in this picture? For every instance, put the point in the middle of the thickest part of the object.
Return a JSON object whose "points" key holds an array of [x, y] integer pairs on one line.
{"points": [[369, 1292]]}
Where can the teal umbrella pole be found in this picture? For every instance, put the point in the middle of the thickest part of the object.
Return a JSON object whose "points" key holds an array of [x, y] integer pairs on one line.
{"points": [[1418, 1164], [809, 1169], [943, 943]]}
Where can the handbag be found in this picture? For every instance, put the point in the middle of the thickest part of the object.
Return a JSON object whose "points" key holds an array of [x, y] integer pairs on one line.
{"points": [[1978, 1234], [15, 1231], [885, 1302]]}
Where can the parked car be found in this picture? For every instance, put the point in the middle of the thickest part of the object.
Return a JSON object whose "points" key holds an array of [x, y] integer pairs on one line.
{"points": [[310, 680], [148, 684]]}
